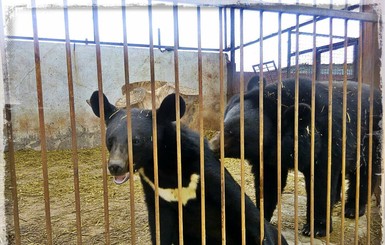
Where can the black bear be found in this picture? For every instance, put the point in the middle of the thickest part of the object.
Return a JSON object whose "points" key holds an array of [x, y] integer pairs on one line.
{"points": [[251, 137], [254, 82], [142, 136]]}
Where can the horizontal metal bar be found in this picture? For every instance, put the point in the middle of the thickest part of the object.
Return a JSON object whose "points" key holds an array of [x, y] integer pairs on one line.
{"points": [[137, 45], [294, 9], [311, 11], [319, 35], [325, 48]]}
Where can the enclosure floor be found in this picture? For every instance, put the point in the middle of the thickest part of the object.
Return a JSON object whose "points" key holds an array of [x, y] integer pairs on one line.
{"points": [[62, 203]]}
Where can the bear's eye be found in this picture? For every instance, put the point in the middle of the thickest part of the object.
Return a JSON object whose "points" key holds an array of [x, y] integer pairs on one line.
{"points": [[109, 143], [135, 141]]}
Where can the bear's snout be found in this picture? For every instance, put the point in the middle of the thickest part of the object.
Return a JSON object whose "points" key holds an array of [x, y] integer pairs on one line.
{"points": [[116, 167]]}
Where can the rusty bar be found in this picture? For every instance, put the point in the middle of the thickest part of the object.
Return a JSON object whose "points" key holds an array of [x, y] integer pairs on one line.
{"points": [[129, 125], [279, 130], [312, 128], [225, 26], [9, 136], [73, 125], [308, 10], [296, 100], [359, 101], [221, 125], [102, 123], [370, 158], [178, 135], [344, 114], [330, 132], [12, 168], [242, 125], [41, 125], [261, 125], [201, 132], [154, 128]]}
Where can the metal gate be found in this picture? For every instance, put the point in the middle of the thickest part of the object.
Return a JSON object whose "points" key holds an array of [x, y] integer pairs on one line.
{"points": [[70, 198]]}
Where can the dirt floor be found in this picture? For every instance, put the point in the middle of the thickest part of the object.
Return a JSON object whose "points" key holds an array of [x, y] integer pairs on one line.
{"points": [[62, 203]]}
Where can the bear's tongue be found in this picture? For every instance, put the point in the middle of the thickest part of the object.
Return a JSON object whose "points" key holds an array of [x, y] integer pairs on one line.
{"points": [[121, 179]]}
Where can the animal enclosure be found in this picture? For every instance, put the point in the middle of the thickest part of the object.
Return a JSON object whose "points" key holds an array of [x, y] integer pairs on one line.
{"points": [[58, 186]]}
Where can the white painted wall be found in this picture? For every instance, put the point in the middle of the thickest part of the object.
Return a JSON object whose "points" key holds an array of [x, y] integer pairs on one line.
{"points": [[23, 91]]}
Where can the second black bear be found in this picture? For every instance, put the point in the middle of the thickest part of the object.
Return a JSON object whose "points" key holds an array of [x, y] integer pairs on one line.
{"points": [[251, 127], [142, 140]]}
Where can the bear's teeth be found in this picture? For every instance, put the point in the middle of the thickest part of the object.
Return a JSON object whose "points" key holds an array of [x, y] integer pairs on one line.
{"points": [[121, 179]]}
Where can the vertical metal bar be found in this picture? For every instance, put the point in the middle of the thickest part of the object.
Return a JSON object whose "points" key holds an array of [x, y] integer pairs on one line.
{"points": [[201, 132], [312, 128], [344, 114], [43, 142], [129, 125], [73, 125], [221, 125], [359, 102], [225, 26], [279, 130], [9, 134], [241, 124], [261, 130], [296, 100], [177, 108], [288, 57], [370, 151], [154, 127], [330, 132], [11, 160], [232, 67], [102, 123]]}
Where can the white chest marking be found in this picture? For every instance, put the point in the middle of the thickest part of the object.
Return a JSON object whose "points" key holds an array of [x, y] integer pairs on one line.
{"points": [[171, 195]]}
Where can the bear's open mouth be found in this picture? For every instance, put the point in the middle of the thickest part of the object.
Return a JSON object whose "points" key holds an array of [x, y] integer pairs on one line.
{"points": [[120, 179]]}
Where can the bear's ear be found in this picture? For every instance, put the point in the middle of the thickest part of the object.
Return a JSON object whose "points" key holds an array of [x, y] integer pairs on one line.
{"points": [[304, 113], [166, 111], [254, 83], [109, 109]]}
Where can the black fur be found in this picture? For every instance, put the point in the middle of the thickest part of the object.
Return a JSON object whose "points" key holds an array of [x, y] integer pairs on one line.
{"points": [[167, 166], [251, 123]]}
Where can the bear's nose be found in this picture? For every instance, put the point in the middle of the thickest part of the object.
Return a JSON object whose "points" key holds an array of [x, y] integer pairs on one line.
{"points": [[115, 169]]}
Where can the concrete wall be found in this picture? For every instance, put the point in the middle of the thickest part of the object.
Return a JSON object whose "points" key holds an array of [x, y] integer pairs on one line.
{"points": [[22, 84]]}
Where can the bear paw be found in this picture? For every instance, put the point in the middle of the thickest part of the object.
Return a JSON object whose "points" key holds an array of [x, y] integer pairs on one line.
{"points": [[350, 211], [319, 229]]}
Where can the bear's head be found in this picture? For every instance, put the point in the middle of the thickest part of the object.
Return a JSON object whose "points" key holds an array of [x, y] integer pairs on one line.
{"points": [[232, 120], [142, 133]]}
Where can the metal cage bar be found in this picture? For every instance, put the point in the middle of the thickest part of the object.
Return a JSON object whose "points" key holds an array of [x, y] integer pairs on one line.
{"points": [[330, 132], [370, 152], [178, 125], [242, 126], [74, 144], [312, 129], [359, 111], [279, 130], [129, 123], [344, 113], [221, 125], [296, 102], [261, 130], [43, 139], [201, 127], [102, 116], [154, 127]]}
